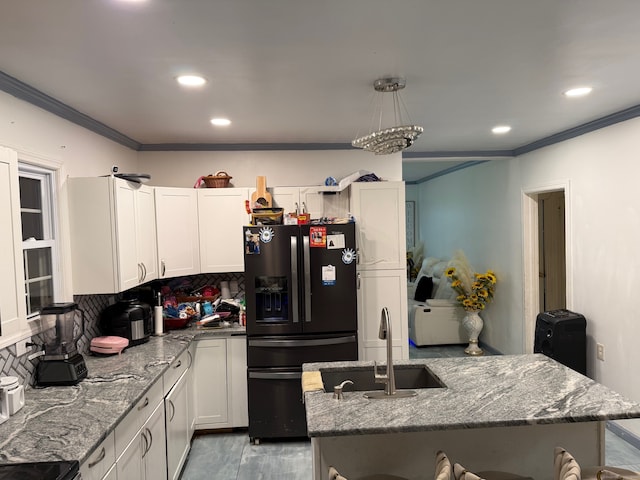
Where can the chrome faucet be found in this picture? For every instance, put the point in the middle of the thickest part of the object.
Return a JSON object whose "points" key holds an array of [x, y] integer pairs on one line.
{"points": [[388, 378], [384, 333]]}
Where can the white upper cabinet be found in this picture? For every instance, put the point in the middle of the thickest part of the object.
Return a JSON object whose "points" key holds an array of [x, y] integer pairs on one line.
{"points": [[221, 216], [12, 299], [177, 225], [378, 208], [113, 234], [310, 200]]}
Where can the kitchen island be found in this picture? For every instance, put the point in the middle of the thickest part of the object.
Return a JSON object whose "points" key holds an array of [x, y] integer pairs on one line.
{"points": [[493, 413]]}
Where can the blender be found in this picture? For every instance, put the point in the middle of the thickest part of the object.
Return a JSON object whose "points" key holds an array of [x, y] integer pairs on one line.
{"points": [[61, 363]]}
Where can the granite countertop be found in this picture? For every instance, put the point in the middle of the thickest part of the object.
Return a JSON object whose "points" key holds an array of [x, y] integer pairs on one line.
{"points": [[504, 390], [68, 423]]}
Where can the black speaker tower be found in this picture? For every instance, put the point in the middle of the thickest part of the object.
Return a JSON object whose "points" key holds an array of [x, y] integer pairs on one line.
{"points": [[561, 335]]}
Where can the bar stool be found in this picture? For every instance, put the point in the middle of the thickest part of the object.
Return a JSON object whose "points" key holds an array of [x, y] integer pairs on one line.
{"points": [[443, 471], [600, 472]]}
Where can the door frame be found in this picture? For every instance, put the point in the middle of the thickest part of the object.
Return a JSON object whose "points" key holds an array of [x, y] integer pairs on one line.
{"points": [[530, 255]]}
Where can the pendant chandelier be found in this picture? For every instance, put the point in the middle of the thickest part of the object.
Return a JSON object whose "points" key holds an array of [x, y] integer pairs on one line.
{"points": [[393, 139]]}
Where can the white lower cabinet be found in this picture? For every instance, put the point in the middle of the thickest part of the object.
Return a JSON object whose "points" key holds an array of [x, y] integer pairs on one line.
{"points": [[145, 458], [378, 289], [176, 405], [220, 383], [210, 384], [99, 465]]}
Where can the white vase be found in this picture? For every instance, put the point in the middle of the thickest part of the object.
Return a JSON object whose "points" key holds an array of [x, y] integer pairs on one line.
{"points": [[473, 324]]}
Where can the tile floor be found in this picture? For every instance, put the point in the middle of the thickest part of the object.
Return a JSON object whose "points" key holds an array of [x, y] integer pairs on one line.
{"points": [[230, 456]]}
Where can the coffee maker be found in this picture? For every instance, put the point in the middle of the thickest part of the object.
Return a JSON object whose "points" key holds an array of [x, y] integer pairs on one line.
{"points": [[61, 363]]}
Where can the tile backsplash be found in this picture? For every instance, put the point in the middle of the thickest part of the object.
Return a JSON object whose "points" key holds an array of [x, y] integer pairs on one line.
{"points": [[20, 366]]}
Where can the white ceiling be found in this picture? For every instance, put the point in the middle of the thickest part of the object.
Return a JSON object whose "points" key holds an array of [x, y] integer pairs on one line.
{"points": [[295, 71]]}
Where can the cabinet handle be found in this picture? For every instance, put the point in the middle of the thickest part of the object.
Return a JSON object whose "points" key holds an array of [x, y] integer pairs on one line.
{"points": [[145, 448], [178, 365], [173, 411], [357, 256], [304, 207], [358, 281], [164, 267], [190, 358], [103, 453], [146, 403], [144, 271], [139, 273], [150, 439], [297, 211]]}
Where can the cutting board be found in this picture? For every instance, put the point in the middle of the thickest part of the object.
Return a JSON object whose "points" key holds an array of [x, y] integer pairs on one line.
{"points": [[261, 196]]}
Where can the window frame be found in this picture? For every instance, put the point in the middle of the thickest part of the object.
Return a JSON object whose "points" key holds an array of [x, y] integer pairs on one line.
{"points": [[49, 211]]}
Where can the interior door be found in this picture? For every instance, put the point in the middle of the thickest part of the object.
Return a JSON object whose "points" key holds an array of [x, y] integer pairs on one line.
{"points": [[552, 251]]}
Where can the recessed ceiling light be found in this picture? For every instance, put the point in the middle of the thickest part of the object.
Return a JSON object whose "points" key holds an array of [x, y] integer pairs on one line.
{"points": [[220, 122], [191, 80], [578, 92], [501, 129]]}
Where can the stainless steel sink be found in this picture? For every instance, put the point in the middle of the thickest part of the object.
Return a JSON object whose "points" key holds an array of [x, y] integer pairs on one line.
{"points": [[406, 376]]}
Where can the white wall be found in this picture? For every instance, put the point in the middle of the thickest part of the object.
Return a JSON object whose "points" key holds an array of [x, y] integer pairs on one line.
{"points": [[479, 210], [282, 168], [26, 128]]}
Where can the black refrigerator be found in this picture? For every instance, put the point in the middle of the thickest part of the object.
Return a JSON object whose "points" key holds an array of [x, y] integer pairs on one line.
{"points": [[300, 287]]}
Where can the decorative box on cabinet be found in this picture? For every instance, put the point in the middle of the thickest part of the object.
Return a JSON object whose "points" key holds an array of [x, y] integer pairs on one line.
{"points": [[113, 234], [378, 208], [221, 216], [378, 289], [12, 304], [177, 225]]}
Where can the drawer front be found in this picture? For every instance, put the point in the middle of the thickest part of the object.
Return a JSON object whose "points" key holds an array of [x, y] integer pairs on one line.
{"points": [[180, 365], [100, 461], [128, 428]]}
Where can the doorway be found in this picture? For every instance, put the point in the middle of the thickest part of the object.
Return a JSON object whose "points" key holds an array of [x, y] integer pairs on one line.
{"points": [[551, 250], [546, 254]]}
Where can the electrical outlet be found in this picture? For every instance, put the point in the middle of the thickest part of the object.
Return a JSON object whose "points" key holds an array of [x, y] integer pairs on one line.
{"points": [[600, 351], [21, 347]]}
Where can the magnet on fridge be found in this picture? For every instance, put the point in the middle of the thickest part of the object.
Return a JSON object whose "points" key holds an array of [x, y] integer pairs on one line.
{"points": [[328, 275]]}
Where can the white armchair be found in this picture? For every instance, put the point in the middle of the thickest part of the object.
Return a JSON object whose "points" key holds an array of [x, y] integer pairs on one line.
{"points": [[436, 320]]}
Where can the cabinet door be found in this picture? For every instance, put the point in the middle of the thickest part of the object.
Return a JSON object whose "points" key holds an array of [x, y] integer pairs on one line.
{"points": [[210, 383], [177, 225], [177, 421], [100, 461], [221, 216], [378, 289], [12, 303], [154, 457], [305, 200], [238, 398], [380, 222], [129, 271], [146, 245], [129, 465]]}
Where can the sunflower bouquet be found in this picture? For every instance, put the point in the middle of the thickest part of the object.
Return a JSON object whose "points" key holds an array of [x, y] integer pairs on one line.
{"points": [[476, 295]]}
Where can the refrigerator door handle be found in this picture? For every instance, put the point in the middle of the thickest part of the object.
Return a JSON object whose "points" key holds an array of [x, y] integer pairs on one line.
{"points": [[311, 342], [294, 278], [276, 375], [307, 278]]}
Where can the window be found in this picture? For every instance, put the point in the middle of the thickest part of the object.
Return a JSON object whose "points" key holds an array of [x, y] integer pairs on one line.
{"points": [[39, 243]]}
